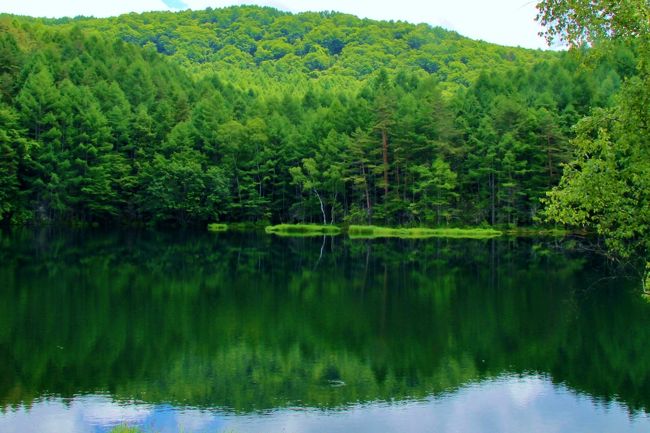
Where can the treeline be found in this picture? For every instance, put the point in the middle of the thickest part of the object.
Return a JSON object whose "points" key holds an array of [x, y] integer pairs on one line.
{"points": [[96, 129]]}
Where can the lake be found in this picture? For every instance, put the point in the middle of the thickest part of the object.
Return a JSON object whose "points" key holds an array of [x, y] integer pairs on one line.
{"points": [[223, 332]]}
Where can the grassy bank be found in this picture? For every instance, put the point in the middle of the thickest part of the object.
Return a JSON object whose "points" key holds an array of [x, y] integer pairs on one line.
{"points": [[370, 232], [215, 227], [303, 230]]}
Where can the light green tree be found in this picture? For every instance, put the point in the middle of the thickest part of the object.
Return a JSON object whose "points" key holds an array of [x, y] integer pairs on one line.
{"points": [[309, 177]]}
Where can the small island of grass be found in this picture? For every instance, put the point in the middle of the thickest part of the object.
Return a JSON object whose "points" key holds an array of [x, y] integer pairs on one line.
{"points": [[216, 227], [303, 230]]}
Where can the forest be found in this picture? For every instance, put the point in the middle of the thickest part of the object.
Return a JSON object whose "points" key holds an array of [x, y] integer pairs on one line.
{"points": [[252, 114]]}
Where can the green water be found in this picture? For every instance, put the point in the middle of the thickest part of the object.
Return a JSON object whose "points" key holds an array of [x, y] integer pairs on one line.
{"points": [[207, 332]]}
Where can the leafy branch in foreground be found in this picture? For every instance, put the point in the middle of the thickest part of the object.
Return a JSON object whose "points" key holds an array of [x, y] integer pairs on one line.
{"points": [[588, 21], [607, 186]]}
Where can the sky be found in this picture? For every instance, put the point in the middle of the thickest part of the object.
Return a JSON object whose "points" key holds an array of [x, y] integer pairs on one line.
{"points": [[505, 22]]}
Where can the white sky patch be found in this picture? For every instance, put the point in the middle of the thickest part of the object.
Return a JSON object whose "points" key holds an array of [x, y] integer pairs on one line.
{"points": [[525, 391], [103, 411], [194, 421], [53, 417], [72, 8], [175, 4], [505, 22]]}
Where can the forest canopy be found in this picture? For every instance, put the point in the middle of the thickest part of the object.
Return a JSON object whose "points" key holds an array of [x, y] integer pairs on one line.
{"points": [[252, 114]]}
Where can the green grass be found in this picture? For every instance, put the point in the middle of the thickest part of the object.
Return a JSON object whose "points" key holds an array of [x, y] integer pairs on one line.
{"points": [[303, 230], [370, 232], [247, 226], [215, 227]]}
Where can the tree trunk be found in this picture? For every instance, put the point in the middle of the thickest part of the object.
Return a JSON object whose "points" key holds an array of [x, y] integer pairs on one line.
{"points": [[384, 140], [397, 178], [492, 199], [551, 175], [322, 206], [365, 183], [332, 208], [438, 207]]}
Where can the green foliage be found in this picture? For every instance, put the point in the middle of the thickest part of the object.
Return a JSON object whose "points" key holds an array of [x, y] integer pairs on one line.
{"points": [[579, 21], [13, 147], [435, 186], [335, 47], [179, 189], [606, 187]]}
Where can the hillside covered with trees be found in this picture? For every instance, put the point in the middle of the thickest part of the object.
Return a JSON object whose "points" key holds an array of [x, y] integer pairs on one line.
{"points": [[252, 114]]}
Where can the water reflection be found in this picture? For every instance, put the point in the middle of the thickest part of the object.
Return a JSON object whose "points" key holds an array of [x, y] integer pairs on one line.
{"points": [[224, 331], [505, 404]]}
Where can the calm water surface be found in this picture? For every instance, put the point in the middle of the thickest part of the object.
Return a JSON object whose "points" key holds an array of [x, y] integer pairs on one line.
{"points": [[199, 332]]}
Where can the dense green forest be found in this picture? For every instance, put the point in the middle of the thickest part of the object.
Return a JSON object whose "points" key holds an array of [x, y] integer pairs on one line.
{"points": [[252, 114]]}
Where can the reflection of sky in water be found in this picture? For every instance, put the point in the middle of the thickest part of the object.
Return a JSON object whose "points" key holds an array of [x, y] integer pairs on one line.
{"points": [[505, 405]]}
